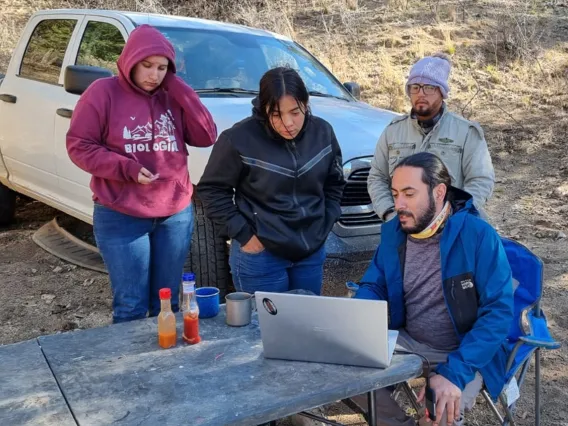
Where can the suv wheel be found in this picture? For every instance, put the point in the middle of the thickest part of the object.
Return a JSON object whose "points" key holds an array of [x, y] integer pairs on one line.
{"points": [[208, 258], [7, 205]]}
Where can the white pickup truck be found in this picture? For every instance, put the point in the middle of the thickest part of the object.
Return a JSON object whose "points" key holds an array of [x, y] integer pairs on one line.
{"points": [[61, 52]]}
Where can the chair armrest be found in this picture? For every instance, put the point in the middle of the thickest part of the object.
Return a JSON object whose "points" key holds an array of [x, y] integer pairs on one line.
{"points": [[539, 342], [540, 335]]}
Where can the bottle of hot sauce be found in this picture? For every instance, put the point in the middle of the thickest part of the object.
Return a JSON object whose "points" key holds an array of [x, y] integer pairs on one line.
{"points": [[167, 334], [190, 310]]}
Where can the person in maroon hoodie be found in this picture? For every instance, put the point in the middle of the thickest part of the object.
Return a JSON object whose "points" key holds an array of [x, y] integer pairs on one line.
{"points": [[131, 133]]}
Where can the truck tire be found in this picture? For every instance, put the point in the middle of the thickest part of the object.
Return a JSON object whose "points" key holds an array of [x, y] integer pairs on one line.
{"points": [[7, 205], [209, 257]]}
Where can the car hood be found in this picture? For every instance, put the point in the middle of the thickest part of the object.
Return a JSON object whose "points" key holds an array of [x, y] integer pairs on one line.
{"points": [[357, 125]]}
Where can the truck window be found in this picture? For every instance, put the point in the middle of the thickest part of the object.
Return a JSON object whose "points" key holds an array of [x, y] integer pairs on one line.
{"points": [[44, 54], [224, 59], [101, 46]]}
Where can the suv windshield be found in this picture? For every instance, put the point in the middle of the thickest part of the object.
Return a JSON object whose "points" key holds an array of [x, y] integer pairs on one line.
{"points": [[233, 63]]}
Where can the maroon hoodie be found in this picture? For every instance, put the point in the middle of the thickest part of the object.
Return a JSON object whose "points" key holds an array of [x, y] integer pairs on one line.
{"points": [[118, 128]]}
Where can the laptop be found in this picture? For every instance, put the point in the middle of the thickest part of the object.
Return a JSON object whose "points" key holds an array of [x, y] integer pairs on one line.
{"points": [[321, 329]]}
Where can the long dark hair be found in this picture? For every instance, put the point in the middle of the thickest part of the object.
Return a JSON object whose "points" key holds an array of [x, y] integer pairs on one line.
{"points": [[434, 171], [279, 82]]}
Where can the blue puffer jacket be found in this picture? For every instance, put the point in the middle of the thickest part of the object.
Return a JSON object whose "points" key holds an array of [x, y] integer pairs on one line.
{"points": [[482, 313]]}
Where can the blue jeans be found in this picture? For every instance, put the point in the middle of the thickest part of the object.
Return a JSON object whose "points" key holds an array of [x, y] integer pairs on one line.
{"points": [[142, 256], [266, 272]]}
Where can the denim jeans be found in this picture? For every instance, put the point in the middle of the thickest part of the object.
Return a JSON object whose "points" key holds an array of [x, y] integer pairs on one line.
{"points": [[389, 413], [266, 272], [142, 256]]}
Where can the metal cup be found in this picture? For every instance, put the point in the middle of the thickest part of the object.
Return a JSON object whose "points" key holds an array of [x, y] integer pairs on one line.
{"points": [[239, 308]]}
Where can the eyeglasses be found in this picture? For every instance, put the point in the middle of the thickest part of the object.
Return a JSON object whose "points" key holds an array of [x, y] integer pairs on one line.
{"points": [[428, 89]]}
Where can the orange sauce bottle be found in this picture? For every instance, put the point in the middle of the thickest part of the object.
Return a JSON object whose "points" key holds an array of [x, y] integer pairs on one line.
{"points": [[167, 334]]}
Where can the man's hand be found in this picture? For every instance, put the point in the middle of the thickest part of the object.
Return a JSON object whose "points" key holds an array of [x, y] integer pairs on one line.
{"points": [[145, 177], [253, 246], [448, 398]]}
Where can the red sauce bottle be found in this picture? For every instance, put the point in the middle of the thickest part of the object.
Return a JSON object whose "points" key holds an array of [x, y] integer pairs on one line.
{"points": [[190, 311]]}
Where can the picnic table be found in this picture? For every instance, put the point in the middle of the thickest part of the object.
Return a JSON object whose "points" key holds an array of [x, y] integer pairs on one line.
{"points": [[119, 375]]}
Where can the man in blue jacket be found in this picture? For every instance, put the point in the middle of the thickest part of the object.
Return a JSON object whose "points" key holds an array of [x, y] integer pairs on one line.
{"points": [[446, 278]]}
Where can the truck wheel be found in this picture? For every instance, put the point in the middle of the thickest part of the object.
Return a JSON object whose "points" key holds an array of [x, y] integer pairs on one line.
{"points": [[7, 205], [208, 258]]}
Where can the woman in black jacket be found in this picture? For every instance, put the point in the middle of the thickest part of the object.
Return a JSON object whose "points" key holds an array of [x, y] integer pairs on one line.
{"points": [[283, 167]]}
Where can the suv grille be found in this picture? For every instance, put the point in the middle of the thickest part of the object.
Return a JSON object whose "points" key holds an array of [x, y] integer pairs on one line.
{"points": [[362, 219], [356, 194]]}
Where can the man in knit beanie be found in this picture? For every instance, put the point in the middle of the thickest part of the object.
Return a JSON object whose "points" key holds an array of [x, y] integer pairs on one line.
{"points": [[432, 70], [431, 127]]}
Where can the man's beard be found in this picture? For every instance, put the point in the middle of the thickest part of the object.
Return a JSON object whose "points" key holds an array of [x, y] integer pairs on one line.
{"points": [[423, 220], [424, 111]]}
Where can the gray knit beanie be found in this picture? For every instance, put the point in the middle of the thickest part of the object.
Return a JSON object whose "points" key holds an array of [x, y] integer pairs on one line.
{"points": [[434, 70]]}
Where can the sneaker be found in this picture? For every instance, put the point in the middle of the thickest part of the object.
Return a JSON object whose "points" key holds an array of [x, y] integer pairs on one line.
{"points": [[298, 420]]}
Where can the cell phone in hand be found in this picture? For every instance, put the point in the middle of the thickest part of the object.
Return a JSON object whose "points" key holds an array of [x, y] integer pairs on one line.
{"points": [[430, 397]]}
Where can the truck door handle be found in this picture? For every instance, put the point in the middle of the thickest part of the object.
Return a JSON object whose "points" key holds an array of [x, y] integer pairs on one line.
{"points": [[64, 112], [11, 99]]}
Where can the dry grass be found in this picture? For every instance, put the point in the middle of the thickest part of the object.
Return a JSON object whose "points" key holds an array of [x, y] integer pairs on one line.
{"points": [[375, 43], [510, 57]]}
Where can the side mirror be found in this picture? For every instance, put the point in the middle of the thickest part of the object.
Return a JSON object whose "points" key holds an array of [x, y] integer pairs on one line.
{"points": [[79, 77], [354, 89]]}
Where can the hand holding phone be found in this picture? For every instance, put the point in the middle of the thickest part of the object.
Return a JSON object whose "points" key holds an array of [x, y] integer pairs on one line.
{"points": [[441, 396], [146, 177], [430, 397]]}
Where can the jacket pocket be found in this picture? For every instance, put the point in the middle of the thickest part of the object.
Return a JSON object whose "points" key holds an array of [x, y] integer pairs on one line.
{"points": [[246, 253], [168, 193], [451, 155], [398, 151], [120, 194], [462, 298]]}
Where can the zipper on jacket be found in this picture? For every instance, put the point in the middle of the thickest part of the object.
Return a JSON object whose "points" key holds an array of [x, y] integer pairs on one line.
{"points": [[426, 137], [453, 296], [294, 153], [459, 311]]}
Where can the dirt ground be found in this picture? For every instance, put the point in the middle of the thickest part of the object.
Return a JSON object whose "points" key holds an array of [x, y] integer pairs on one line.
{"points": [[43, 295]]}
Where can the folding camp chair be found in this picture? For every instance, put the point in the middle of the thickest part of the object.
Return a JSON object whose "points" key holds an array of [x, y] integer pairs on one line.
{"points": [[528, 334]]}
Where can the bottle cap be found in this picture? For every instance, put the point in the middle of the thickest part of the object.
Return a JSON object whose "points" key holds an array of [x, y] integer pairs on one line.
{"points": [[165, 293], [188, 276]]}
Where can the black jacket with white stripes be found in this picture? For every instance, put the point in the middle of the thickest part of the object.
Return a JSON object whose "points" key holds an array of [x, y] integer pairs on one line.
{"points": [[287, 193]]}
